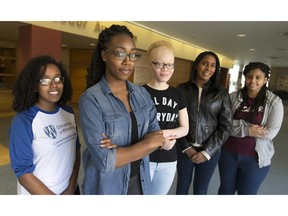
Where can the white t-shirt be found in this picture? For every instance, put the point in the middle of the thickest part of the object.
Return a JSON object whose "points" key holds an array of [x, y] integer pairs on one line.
{"points": [[44, 143]]}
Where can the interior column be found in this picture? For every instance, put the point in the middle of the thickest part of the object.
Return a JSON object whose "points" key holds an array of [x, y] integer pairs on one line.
{"points": [[35, 40]]}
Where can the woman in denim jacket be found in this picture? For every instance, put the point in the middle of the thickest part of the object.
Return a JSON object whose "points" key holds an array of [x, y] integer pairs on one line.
{"points": [[113, 110], [258, 114]]}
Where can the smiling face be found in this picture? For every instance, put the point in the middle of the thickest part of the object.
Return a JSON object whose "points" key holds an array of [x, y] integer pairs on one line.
{"points": [[119, 70], [205, 69], [162, 55], [50, 94], [254, 80]]}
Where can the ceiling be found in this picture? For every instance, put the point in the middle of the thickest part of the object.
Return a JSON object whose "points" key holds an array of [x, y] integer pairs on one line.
{"points": [[269, 39]]}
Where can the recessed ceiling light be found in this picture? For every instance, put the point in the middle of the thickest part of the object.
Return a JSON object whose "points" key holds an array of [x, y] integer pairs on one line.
{"points": [[241, 35], [63, 45], [252, 49]]}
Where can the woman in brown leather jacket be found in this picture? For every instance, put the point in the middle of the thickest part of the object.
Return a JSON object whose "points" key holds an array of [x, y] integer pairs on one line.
{"points": [[210, 122]]}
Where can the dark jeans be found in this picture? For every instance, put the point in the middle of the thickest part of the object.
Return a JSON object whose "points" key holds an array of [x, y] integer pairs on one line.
{"points": [[135, 187], [240, 173], [77, 190], [202, 175]]}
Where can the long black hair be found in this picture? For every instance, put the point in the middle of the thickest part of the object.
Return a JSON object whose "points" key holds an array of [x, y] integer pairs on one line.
{"points": [[260, 99], [26, 85], [97, 66], [214, 80]]}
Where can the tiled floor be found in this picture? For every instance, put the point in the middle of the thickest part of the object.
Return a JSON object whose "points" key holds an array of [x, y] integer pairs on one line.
{"points": [[274, 184]]}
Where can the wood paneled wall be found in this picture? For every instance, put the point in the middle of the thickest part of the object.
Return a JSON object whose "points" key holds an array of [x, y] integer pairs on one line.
{"points": [[80, 61], [224, 78], [143, 73], [6, 101]]}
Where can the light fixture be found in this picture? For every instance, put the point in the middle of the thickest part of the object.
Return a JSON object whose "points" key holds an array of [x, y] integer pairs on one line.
{"points": [[241, 35]]}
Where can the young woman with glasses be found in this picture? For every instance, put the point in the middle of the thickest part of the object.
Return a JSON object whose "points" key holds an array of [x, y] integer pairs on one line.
{"points": [[171, 114], [44, 145], [113, 107], [210, 122]]}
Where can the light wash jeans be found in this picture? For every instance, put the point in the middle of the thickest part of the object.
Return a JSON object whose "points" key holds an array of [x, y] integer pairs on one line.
{"points": [[162, 176]]}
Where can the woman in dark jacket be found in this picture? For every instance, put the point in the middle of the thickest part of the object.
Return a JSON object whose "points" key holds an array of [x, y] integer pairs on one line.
{"points": [[210, 122]]}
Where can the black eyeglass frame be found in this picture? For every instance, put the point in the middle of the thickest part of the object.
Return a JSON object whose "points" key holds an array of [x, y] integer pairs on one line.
{"points": [[121, 58], [168, 66], [61, 80]]}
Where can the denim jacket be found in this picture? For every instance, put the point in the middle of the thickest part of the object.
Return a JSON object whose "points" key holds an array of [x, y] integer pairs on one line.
{"points": [[272, 120], [102, 112]]}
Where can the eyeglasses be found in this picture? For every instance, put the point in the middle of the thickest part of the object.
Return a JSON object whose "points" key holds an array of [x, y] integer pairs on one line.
{"points": [[162, 65], [121, 55], [46, 81]]}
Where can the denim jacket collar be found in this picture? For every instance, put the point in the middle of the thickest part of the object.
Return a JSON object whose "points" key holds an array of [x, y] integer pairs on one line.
{"points": [[106, 89]]}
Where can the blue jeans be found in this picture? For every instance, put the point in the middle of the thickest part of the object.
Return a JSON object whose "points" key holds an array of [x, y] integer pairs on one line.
{"points": [[162, 176], [202, 175], [240, 173]]}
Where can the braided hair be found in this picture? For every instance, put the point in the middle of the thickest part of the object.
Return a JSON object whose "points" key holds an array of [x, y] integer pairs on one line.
{"points": [[260, 99], [26, 85], [97, 66]]}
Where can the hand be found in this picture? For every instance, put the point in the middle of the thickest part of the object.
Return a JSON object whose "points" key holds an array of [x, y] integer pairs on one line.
{"points": [[198, 158], [257, 131], [190, 152], [169, 142], [155, 139], [106, 143]]}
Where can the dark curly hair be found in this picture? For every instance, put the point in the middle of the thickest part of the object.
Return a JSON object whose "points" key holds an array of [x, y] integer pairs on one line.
{"points": [[260, 100], [26, 85], [97, 66], [214, 80]]}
